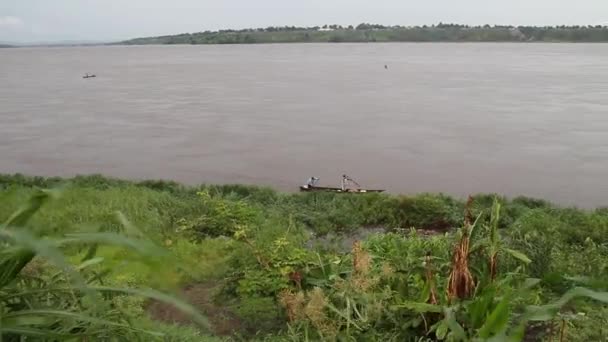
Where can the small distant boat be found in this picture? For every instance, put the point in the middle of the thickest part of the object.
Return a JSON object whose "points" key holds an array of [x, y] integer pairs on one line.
{"points": [[311, 185], [88, 76]]}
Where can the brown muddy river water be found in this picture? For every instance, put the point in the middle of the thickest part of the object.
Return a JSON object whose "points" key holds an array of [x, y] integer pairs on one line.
{"points": [[518, 119]]}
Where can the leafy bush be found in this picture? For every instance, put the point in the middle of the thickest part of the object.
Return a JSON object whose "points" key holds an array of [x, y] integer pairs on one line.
{"points": [[219, 217], [428, 211], [536, 234], [252, 194], [579, 226], [260, 314]]}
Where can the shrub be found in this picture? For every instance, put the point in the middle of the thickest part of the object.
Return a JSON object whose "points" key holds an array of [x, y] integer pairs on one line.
{"points": [[220, 217], [253, 194], [260, 314], [427, 211]]}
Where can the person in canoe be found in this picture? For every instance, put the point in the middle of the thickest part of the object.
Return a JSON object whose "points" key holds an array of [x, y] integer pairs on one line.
{"points": [[346, 180], [312, 181]]}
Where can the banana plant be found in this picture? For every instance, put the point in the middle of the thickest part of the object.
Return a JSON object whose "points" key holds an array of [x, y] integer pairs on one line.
{"points": [[484, 319], [492, 245]]}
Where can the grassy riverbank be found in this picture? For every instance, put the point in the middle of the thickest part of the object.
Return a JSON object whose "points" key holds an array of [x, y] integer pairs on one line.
{"points": [[273, 266], [364, 33]]}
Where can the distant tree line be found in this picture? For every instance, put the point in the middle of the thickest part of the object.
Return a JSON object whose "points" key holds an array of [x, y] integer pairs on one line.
{"points": [[365, 32]]}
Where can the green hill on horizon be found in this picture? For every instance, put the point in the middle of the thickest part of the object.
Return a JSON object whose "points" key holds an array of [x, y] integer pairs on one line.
{"points": [[379, 33]]}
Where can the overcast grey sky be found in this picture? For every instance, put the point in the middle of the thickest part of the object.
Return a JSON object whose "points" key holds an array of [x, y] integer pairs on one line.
{"points": [[45, 20]]}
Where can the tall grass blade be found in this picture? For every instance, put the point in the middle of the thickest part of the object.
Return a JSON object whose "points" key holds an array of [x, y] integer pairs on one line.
{"points": [[497, 320], [112, 239], [162, 297], [455, 327], [518, 255], [23, 215], [29, 246], [548, 312], [420, 307]]}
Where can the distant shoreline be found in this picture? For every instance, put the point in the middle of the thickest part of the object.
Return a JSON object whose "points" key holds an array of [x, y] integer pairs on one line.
{"points": [[369, 33], [120, 44], [363, 33]]}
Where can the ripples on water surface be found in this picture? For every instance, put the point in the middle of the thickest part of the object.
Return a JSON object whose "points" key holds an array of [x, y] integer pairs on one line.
{"points": [[517, 119]]}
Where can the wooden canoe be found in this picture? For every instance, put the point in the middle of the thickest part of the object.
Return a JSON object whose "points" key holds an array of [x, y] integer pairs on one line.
{"points": [[311, 188]]}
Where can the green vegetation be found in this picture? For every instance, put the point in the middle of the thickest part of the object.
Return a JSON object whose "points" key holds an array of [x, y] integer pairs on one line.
{"points": [[80, 262], [378, 33]]}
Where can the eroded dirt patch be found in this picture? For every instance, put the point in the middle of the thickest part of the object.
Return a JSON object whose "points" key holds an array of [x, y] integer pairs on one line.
{"points": [[200, 295]]}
